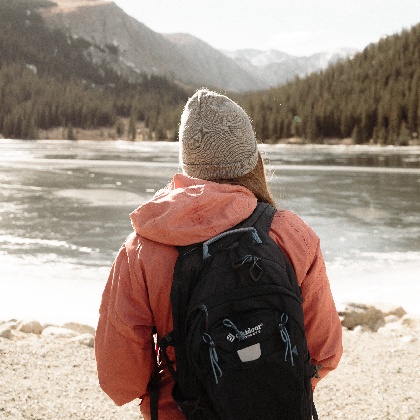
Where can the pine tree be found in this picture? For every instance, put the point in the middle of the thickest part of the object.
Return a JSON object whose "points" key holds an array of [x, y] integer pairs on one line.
{"points": [[132, 128], [70, 133]]}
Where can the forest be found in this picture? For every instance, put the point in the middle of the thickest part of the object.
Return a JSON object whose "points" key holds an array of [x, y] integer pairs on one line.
{"points": [[373, 97], [47, 80]]}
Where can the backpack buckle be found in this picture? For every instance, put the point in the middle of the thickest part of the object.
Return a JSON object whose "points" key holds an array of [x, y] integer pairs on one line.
{"points": [[167, 341]]}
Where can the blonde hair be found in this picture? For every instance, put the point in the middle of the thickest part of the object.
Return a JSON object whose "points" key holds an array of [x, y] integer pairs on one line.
{"points": [[255, 181]]}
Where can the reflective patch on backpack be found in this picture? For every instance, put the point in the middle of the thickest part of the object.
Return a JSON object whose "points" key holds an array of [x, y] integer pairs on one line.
{"points": [[250, 353]]}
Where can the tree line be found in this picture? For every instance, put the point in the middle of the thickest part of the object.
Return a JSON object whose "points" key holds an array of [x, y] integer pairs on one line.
{"points": [[29, 103]]}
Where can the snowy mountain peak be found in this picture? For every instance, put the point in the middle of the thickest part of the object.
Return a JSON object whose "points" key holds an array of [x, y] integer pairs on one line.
{"points": [[258, 58]]}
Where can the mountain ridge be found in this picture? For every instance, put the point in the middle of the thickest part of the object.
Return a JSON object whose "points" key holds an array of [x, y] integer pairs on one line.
{"points": [[131, 48], [276, 67]]}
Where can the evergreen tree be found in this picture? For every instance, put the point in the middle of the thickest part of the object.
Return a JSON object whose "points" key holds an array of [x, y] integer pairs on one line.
{"points": [[132, 127], [70, 132]]}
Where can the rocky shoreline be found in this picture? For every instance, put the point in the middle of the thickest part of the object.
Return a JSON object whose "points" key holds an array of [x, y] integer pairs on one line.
{"points": [[49, 371]]}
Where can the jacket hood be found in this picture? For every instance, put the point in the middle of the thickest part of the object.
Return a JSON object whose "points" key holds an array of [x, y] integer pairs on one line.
{"points": [[192, 210]]}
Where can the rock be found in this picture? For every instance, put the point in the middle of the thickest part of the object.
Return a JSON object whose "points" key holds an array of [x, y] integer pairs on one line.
{"points": [[58, 332], [80, 328], [87, 339], [355, 314], [12, 324], [5, 331], [30, 327], [388, 309]]}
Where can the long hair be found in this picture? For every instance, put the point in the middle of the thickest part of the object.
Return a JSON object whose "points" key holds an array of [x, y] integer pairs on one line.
{"points": [[255, 181]]}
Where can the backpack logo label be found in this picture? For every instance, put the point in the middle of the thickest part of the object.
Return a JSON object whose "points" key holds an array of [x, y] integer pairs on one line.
{"points": [[249, 332]]}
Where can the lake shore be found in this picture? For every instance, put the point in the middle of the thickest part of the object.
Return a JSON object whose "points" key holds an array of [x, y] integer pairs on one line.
{"points": [[143, 134], [49, 372]]}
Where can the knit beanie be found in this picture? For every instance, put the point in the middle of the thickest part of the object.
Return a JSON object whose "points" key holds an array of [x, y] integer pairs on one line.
{"points": [[216, 138]]}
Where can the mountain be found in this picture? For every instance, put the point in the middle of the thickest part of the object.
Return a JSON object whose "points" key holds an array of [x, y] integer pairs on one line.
{"points": [[211, 64], [116, 38], [274, 68], [130, 48]]}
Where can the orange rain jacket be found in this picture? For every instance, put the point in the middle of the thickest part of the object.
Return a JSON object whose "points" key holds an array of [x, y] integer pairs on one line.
{"points": [[137, 294]]}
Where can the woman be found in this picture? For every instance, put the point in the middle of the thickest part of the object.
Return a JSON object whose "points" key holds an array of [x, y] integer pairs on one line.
{"points": [[223, 177]]}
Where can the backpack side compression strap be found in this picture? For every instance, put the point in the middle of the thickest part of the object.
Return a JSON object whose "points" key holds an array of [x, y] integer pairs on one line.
{"points": [[154, 393], [314, 412], [154, 385]]}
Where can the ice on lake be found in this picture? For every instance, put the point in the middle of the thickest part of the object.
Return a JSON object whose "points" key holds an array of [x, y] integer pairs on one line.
{"points": [[64, 210]]}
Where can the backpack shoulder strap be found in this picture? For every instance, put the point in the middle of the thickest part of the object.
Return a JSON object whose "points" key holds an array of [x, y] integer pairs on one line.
{"points": [[154, 384], [260, 219], [263, 215]]}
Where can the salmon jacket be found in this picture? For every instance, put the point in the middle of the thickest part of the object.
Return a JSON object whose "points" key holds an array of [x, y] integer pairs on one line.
{"points": [[137, 294]]}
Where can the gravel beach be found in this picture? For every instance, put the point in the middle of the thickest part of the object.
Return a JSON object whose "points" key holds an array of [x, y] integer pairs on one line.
{"points": [[53, 376]]}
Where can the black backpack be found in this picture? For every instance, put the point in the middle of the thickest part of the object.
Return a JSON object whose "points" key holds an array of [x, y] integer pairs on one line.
{"points": [[239, 336]]}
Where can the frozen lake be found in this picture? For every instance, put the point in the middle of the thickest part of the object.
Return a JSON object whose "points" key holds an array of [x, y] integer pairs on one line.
{"points": [[64, 213]]}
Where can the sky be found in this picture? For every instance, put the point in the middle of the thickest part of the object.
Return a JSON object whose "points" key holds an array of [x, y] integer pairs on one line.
{"points": [[297, 27]]}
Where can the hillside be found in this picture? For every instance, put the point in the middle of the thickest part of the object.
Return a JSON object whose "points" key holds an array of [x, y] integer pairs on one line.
{"points": [[373, 97], [25, 39], [49, 79], [212, 68]]}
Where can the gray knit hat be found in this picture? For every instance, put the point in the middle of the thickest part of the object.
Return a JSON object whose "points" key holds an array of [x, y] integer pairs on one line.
{"points": [[216, 138]]}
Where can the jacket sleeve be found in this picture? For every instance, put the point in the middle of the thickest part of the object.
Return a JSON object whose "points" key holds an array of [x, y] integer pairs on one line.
{"points": [[322, 323], [123, 343]]}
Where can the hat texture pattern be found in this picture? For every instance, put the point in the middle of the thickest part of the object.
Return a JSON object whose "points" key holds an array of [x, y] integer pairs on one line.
{"points": [[216, 138]]}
